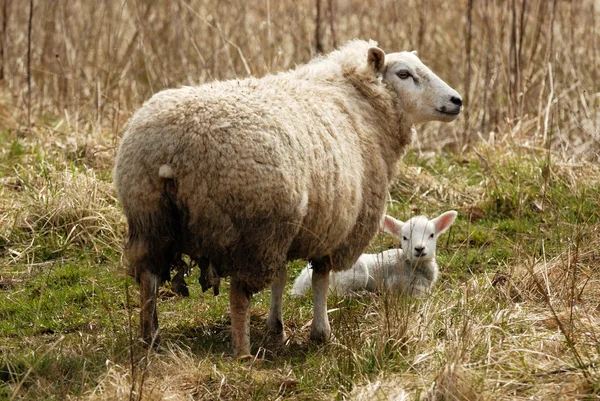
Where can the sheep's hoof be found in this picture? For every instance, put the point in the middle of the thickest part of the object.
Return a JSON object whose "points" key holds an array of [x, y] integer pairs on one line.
{"points": [[244, 357], [320, 336], [276, 331], [277, 338]]}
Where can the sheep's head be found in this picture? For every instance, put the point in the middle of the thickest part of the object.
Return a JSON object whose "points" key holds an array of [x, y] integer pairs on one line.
{"points": [[422, 95], [418, 235]]}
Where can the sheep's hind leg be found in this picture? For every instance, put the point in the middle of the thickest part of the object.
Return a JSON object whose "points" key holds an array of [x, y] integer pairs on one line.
{"points": [[320, 330], [148, 316], [239, 302], [275, 320]]}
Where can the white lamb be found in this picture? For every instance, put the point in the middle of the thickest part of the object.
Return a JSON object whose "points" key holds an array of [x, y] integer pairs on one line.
{"points": [[412, 273]]}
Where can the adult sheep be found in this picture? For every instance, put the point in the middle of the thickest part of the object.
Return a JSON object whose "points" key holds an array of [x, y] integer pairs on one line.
{"points": [[249, 174]]}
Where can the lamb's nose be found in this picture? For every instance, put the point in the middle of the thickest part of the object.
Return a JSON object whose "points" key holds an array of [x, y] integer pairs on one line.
{"points": [[419, 249], [456, 100]]}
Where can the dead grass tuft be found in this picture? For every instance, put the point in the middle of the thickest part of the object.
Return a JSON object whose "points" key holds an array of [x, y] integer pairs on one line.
{"points": [[454, 382], [71, 207], [177, 374]]}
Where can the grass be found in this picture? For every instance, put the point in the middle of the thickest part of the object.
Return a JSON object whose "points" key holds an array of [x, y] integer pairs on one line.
{"points": [[515, 314], [68, 312]]}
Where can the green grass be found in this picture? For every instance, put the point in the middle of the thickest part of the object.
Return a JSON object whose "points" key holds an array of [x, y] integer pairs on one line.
{"points": [[68, 313]]}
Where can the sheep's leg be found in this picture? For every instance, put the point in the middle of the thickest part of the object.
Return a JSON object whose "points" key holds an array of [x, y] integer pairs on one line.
{"points": [[320, 330], [239, 303], [148, 316], [275, 320]]}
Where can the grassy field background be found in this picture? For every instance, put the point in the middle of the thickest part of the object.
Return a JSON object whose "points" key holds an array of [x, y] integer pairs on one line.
{"points": [[515, 314]]}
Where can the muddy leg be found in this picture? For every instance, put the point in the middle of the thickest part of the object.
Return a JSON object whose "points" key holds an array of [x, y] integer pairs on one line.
{"points": [[239, 302], [148, 317], [320, 330], [275, 320]]}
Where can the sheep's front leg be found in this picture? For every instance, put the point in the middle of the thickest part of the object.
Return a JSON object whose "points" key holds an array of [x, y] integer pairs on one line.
{"points": [[148, 316], [239, 303], [320, 331], [275, 320]]}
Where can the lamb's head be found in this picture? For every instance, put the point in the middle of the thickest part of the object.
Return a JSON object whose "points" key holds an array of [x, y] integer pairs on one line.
{"points": [[418, 235], [422, 95]]}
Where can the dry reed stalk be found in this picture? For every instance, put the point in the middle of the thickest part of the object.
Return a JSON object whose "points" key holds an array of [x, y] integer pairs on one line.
{"points": [[467, 132], [331, 14], [595, 77], [486, 84], [318, 34], [3, 41], [106, 62], [29, 27]]}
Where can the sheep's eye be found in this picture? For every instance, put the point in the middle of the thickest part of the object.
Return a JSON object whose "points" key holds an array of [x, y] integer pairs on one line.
{"points": [[403, 74], [431, 236], [405, 239]]}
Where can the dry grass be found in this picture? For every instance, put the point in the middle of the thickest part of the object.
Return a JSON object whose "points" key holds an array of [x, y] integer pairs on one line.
{"points": [[528, 69], [514, 325], [469, 341], [516, 312]]}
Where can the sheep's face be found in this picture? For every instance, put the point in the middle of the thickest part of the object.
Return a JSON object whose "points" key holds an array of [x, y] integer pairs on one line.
{"points": [[422, 95], [418, 235]]}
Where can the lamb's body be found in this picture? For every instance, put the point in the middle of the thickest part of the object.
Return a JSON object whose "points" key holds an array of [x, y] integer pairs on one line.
{"points": [[409, 277], [412, 272], [248, 174], [389, 269]]}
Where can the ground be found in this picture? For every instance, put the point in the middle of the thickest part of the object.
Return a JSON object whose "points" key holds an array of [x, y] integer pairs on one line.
{"points": [[513, 316]]}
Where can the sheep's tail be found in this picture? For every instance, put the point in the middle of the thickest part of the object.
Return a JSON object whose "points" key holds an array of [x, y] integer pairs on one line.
{"points": [[154, 238], [302, 283]]}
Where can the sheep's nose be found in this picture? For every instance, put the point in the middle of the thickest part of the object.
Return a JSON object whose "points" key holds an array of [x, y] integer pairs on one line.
{"points": [[419, 249], [456, 100]]}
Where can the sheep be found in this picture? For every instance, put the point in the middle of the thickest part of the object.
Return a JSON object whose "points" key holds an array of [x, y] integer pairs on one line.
{"points": [[245, 175], [412, 271]]}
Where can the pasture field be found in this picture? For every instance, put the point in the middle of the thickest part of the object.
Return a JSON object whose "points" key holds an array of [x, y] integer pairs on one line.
{"points": [[516, 312]]}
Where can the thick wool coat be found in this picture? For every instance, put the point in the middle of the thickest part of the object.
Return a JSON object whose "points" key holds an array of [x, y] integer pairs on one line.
{"points": [[252, 173]]}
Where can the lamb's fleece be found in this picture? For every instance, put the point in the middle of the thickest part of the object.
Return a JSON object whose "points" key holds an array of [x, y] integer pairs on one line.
{"points": [[413, 273], [372, 272], [251, 173]]}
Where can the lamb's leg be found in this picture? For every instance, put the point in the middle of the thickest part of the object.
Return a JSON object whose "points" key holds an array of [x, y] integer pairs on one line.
{"points": [[320, 330], [239, 302], [275, 320], [148, 317]]}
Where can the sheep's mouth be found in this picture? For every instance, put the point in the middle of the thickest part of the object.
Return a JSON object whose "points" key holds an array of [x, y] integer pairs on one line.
{"points": [[449, 113]]}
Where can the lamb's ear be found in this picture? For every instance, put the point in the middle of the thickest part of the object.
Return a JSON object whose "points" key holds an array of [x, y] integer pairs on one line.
{"points": [[444, 221], [376, 59], [415, 52], [392, 226]]}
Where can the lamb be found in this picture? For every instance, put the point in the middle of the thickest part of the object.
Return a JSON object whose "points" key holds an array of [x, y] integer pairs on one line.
{"points": [[412, 272], [245, 175]]}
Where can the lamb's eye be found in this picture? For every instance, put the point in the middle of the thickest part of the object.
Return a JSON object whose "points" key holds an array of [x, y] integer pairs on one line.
{"points": [[405, 239], [403, 74], [431, 236]]}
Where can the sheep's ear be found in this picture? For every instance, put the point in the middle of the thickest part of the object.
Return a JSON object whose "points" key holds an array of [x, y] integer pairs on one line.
{"points": [[414, 52], [392, 226], [444, 221], [376, 59]]}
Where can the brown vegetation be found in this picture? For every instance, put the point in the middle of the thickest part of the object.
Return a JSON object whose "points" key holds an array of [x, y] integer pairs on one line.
{"points": [[528, 70]]}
